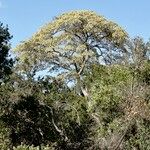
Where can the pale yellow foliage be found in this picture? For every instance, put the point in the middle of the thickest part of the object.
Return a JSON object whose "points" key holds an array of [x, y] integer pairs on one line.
{"points": [[70, 38]]}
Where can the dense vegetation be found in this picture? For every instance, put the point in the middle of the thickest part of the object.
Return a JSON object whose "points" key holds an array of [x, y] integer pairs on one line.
{"points": [[93, 93]]}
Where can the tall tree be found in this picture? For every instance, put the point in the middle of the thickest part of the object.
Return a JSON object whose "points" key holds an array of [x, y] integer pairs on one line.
{"points": [[5, 62], [72, 42]]}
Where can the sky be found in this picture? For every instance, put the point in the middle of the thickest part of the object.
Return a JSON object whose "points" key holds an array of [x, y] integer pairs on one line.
{"points": [[25, 17]]}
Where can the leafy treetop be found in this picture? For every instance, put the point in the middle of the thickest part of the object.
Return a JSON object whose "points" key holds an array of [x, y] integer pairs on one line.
{"points": [[72, 41]]}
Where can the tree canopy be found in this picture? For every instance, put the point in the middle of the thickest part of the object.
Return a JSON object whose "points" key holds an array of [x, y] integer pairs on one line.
{"points": [[73, 41]]}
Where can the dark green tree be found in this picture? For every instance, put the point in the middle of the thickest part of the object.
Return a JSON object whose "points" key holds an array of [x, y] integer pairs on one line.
{"points": [[5, 62]]}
